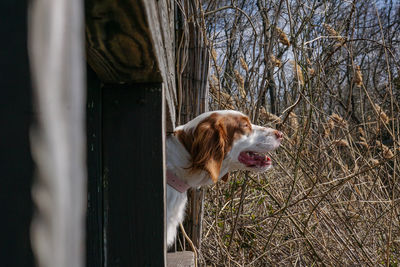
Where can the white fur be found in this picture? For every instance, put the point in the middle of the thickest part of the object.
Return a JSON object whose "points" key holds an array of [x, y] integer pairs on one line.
{"points": [[261, 140]]}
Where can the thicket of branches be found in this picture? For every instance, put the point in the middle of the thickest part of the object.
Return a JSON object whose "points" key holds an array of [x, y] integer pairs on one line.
{"points": [[327, 74]]}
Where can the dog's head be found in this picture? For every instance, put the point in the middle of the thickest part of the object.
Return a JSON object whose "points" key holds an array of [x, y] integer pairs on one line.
{"points": [[228, 137]]}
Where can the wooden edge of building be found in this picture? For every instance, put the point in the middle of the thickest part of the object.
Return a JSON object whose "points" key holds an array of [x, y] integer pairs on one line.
{"points": [[133, 42]]}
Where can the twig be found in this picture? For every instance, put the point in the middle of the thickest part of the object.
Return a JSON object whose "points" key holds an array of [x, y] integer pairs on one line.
{"points": [[190, 243]]}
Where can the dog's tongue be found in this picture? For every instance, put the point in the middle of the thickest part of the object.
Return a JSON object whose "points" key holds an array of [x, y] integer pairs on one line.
{"points": [[251, 159]]}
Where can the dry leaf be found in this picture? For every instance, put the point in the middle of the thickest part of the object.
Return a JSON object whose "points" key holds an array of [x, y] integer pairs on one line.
{"points": [[283, 39]]}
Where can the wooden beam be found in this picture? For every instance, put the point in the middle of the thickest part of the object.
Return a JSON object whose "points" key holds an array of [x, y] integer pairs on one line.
{"points": [[161, 21], [133, 171], [194, 100], [118, 42], [133, 41]]}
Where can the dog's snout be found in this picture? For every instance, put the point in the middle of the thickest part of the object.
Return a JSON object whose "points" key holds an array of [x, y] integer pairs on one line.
{"points": [[278, 134], [272, 132]]}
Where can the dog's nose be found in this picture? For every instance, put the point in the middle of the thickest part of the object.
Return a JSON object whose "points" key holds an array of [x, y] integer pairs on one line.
{"points": [[278, 134]]}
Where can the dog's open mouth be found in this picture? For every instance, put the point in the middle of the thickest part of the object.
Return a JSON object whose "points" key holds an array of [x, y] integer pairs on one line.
{"points": [[254, 159]]}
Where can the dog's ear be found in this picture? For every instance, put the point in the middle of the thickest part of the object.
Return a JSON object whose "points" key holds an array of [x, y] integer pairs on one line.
{"points": [[208, 147]]}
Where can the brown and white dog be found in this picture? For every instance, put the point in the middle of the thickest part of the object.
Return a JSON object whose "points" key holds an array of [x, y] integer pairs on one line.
{"points": [[208, 148]]}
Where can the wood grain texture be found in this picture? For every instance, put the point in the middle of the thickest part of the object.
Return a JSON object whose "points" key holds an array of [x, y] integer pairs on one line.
{"points": [[131, 41], [161, 22], [193, 66], [180, 259], [118, 42]]}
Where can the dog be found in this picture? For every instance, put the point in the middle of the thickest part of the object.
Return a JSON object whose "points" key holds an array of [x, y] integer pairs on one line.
{"points": [[206, 149]]}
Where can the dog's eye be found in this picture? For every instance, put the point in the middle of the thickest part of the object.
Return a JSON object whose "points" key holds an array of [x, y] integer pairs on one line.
{"points": [[245, 125]]}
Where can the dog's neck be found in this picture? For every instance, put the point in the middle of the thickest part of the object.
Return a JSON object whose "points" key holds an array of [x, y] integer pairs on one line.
{"points": [[179, 161]]}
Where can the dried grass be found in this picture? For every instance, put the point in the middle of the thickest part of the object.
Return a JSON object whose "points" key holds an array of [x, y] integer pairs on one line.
{"points": [[244, 64], [298, 73], [325, 202], [328, 193], [358, 80], [240, 82], [381, 113], [276, 62], [333, 33], [282, 37], [333, 195], [214, 55]]}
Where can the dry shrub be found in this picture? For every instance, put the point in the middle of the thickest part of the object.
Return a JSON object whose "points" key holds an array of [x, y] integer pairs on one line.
{"points": [[276, 62], [244, 64], [293, 121], [332, 197], [326, 200], [311, 72], [329, 192], [219, 95], [358, 80], [269, 117], [214, 54], [341, 143], [381, 113], [240, 82], [333, 33], [386, 151], [283, 39], [298, 74], [338, 121]]}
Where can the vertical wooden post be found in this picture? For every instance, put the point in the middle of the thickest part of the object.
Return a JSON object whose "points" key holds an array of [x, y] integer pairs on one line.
{"points": [[133, 171], [58, 143], [194, 99], [16, 166], [94, 219]]}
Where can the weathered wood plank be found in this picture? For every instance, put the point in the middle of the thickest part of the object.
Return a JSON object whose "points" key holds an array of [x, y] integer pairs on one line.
{"points": [[119, 47], [161, 16], [194, 63], [133, 171], [180, 259], [133, 41]]}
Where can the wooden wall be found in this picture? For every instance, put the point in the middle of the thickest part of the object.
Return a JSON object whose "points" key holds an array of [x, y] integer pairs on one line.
{"points": [[136, 52], [130, 53], [192, 85], [133, 168], [132, 41], [132, 73]]}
